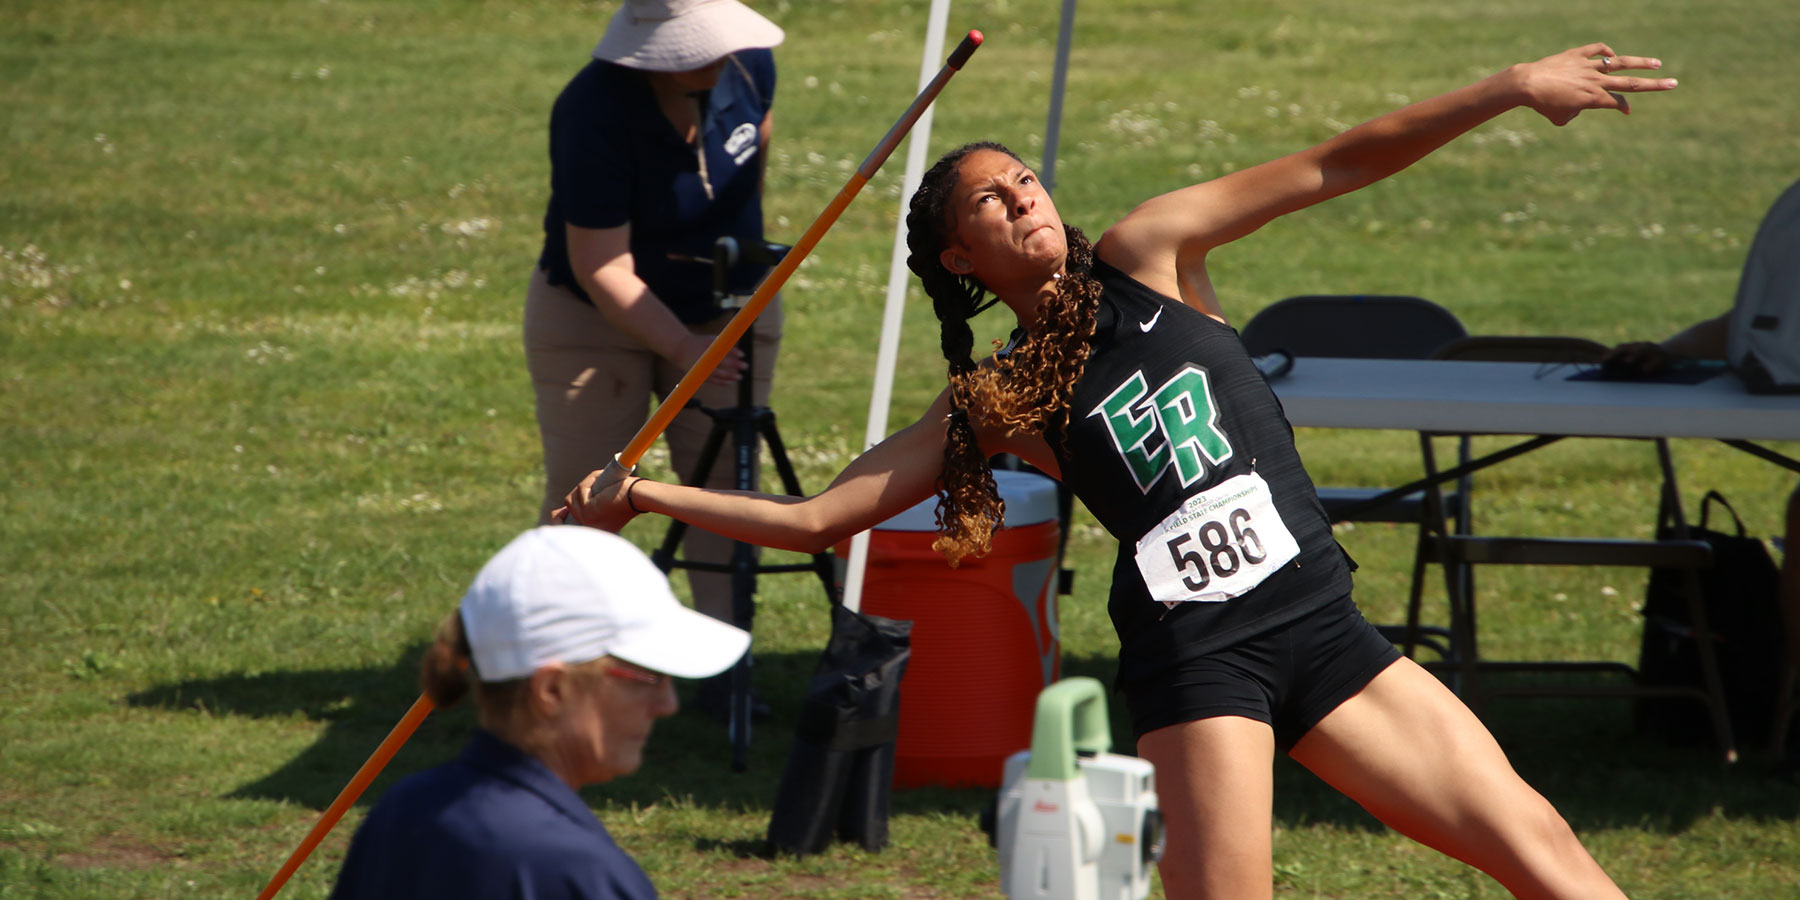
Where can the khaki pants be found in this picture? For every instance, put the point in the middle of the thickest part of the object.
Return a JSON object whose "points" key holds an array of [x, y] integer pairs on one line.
{"points": [[594, 388]]}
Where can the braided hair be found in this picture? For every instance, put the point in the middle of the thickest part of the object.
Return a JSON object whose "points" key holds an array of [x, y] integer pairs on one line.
{"points": [[1026, 390]]}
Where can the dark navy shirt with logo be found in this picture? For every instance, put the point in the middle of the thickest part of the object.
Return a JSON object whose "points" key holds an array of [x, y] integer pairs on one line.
{"points": [[495, 823], [616, 160], [1169, 407]]}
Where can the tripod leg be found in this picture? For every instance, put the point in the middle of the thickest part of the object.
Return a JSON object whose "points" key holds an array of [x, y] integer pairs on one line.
{"points": [[664, 555]]}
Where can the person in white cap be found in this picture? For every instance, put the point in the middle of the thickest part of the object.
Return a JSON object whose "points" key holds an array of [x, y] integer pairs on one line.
{"points": [[571, 639], [657, 149]]}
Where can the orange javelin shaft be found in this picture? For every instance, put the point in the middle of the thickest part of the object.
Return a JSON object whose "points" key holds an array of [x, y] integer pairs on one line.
{"points": [[391, 745], [778, 276]]}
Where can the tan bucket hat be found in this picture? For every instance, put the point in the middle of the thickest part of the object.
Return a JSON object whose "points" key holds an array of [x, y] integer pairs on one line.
{"points": [[682, 35]]}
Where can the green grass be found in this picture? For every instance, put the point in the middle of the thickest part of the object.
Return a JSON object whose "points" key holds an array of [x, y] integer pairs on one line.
{"points": [[263, 409]]}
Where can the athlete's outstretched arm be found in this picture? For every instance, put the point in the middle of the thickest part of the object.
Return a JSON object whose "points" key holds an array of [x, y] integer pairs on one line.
{"points": [[893, 475], [1173, 231]]}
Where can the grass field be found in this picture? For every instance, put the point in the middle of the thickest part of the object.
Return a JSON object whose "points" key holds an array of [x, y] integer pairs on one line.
{"points": [[263, 407]]}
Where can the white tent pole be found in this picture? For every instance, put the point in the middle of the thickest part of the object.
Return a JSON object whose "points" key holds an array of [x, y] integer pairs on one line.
{"points": [[1053, 129], [918, 142]]}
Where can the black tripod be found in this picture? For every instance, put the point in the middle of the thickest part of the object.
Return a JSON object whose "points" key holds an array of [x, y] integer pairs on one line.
{"points": [[743, 423]]}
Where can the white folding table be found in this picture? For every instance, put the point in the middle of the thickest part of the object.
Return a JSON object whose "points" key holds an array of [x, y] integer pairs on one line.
{"points": [[1542, 402]]}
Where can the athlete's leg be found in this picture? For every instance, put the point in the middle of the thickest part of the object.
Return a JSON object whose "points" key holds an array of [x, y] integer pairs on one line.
{"points": [[1215, 784], [1411, 753]]}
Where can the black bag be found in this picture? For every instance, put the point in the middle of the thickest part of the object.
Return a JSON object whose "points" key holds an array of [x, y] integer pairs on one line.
{"points": [[840, 773], [1740, 595]]}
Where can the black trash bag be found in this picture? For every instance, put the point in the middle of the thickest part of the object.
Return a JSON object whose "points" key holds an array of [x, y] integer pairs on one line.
{"points": [[840, 775]]}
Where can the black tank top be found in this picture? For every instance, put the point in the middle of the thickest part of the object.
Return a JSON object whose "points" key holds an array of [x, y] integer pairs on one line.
{"points": [[1177, 445]]}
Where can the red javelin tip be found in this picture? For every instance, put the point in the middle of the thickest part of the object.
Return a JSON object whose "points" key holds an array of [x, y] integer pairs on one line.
{"points": [[975, 35]]}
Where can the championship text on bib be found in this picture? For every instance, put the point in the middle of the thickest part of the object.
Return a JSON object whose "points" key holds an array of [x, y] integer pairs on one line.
{"points": [[1217, 546]]}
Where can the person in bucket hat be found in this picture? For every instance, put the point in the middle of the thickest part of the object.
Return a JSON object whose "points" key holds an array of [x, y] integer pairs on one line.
{"points": [[657, 149], [570, 640]]}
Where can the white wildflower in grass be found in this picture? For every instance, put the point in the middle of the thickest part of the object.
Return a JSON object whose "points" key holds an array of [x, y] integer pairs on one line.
{"points": [[28, 276], [322, 72], [1609, 591], [124, 284], [1250, 92], [430, 288], [1140, 129], [1500, 134], [812, 81], [475, 227], [1651, 231], [264, 352], [1392, 98]]}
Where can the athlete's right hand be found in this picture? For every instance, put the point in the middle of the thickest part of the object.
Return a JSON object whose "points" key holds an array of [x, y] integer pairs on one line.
{"points": [[600, 500]]}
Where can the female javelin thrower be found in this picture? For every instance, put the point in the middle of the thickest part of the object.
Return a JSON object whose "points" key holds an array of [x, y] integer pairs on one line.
{"points": [[1232, 603]]}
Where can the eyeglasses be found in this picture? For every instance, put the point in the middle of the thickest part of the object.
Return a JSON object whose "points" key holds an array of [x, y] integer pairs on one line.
{"points": [[640, 676]]}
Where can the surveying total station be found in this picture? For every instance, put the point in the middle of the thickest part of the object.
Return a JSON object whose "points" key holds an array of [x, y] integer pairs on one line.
{"points": [[1076, 822]]}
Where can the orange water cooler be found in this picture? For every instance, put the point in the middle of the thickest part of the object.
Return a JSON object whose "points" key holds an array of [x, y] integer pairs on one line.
{"points": [[984, 638]]}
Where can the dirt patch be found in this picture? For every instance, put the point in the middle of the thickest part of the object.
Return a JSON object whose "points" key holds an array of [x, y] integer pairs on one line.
{"points": [[112, 852]]}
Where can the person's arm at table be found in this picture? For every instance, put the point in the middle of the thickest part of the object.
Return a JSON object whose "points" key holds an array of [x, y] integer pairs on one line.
{"points": [[1701, 340]]}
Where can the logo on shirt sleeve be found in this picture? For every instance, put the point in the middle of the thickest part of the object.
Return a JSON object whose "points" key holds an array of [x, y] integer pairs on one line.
{"points": [[742, 143], [1175, 426]]}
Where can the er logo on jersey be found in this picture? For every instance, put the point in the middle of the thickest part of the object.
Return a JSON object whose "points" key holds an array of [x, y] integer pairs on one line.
{"points": [[1176, 425]]}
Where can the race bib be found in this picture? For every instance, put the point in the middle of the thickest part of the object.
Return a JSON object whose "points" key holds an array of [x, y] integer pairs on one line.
{"points": [[1217, 546]]}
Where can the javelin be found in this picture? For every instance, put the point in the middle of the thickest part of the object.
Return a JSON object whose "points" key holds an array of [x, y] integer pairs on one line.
{"points": [[659, 420]]}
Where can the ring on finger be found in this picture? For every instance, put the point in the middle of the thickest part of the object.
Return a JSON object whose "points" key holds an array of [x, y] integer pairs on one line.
{"points": [[1605, 63]]}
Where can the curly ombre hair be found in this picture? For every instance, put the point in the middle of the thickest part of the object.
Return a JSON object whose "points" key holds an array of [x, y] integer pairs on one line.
{"points": [[1025, 390]]}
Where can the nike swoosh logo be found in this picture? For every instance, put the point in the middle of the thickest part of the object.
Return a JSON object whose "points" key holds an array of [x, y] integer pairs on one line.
{"points": [[1146, 326]]}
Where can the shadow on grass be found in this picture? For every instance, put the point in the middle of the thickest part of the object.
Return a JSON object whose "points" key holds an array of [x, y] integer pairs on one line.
{"points": [[1581, 754]]}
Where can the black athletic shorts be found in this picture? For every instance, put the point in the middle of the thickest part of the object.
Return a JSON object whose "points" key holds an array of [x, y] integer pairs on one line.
{"points": [[1289, 677]]}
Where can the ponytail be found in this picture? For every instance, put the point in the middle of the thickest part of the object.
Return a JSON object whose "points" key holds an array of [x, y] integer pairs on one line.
{"points": [[443, 674], [1025, 390]]}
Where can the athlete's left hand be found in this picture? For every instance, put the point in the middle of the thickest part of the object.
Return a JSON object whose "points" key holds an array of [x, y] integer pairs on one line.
{"points": [[1562, 85]]}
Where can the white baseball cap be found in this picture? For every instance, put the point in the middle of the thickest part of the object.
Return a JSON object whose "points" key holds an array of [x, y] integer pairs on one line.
{"points": [[573, 594], [682, 35]]}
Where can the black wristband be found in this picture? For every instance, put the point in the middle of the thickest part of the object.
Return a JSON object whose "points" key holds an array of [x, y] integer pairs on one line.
{"points": [[628, 503]]}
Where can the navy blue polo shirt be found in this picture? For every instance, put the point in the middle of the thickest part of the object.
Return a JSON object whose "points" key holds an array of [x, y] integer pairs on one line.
{"points": [[615, 159], [495, 823]]}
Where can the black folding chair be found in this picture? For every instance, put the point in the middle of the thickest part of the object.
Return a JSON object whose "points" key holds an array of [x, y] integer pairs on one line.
{"points": [[1372, 326]]}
